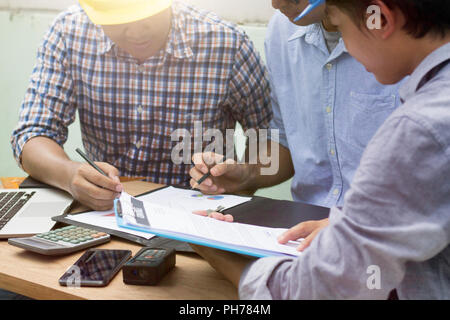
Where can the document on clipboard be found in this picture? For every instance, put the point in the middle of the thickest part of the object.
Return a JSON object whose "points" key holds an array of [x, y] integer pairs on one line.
{"points": [[165, 221], [177, 198]]}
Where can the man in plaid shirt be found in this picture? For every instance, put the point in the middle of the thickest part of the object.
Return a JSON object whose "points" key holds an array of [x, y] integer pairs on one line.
{"points": [[135, 73]]}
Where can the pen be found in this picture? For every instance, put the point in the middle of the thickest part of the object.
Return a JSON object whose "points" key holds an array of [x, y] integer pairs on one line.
{"points": [[85, 157], [206, 176], [312, 5]]}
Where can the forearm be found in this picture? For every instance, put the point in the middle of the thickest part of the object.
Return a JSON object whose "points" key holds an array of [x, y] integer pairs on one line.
{"points": [[281, 168], [45, 160], [230, 265]]}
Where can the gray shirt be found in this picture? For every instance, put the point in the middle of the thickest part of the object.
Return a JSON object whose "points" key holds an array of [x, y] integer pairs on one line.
{"points": [[331, 38], [394, 228]]}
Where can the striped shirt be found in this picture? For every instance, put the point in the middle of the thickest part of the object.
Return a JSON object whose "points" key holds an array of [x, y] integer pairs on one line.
{"points": [[208, 71]]}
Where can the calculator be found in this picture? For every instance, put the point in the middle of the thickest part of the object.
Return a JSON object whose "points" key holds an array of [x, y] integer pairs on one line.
{"points": [[61, 241]]}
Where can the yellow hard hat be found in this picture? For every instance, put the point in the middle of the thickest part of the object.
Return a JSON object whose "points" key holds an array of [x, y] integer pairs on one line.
{"points": [[110, 12]]}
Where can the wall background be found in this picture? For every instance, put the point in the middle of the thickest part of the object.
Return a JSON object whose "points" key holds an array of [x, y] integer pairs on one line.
{"points": [[23, 23]]}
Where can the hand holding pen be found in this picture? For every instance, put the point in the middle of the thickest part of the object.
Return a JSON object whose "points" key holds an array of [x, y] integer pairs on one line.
{"points": [[213, 160], [95, 184], [214, 174]]}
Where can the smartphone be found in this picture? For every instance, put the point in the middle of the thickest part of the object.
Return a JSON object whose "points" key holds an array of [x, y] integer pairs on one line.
{"points": [[95, 268]]}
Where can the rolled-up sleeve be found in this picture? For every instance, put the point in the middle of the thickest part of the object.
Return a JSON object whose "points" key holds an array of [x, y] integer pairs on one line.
{"points": [[48, 107], [277, 120], [394, 222]]}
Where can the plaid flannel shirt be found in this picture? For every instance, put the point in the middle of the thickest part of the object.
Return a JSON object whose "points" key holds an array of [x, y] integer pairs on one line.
{"points": [[208, 71]]}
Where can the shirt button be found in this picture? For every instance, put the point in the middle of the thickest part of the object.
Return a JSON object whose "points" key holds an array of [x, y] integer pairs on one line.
{"points": [[329, 66], [140, 109], [328, 109], [141, 68], [332, 152], [138, 145], [336, 192]]}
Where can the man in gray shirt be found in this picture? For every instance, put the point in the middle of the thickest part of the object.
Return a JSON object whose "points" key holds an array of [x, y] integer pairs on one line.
{"points": [[393, 231]]}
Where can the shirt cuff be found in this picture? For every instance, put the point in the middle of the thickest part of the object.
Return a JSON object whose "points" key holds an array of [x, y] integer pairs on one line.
{"points": [[19, 142], [254, 283], [280, 138]]}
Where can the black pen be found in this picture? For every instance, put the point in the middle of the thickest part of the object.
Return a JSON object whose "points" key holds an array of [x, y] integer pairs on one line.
{"points": [[206, 176], [85, 157]]}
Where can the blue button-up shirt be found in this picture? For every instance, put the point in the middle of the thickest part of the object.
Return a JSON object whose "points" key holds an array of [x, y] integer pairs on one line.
{"points": [[326, 106]]}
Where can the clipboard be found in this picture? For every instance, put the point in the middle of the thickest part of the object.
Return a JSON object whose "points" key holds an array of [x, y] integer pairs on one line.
{"points": [[266, 212], [249, 213], [30, 183], [259, 211]]}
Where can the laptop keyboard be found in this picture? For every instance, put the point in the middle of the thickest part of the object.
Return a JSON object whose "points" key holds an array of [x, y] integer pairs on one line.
{"points": [[11, 203]]}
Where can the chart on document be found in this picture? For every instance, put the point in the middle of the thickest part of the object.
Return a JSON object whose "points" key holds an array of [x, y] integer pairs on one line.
{"points": [[190, 200]]}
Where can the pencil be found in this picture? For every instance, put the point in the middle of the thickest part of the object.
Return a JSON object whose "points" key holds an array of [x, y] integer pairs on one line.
{"points": [[85, 157]]}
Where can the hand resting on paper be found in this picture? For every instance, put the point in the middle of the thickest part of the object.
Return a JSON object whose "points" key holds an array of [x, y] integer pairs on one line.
{"points": [[215, 215], [307, 230]]}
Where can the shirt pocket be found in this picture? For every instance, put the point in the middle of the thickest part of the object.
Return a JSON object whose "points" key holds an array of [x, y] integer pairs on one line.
{"points": [[366, 114]]}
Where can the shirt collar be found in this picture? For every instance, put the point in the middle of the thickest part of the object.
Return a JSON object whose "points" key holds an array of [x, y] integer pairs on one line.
{"points": [[104, 44], [432, 61], [309, 32], [177, 42], [313, 35]]}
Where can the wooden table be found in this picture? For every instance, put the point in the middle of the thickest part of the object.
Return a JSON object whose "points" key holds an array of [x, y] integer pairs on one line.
{"points": [[36, 276]]}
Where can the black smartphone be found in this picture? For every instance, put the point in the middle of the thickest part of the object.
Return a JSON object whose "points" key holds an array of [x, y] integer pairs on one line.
{"points": [[95, 268]]}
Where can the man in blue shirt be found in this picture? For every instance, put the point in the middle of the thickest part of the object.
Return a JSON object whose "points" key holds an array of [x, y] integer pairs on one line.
{"points": [[326, 107]]}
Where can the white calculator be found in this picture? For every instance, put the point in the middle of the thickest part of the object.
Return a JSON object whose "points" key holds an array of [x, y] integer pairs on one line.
{"points": [[61, 241]]}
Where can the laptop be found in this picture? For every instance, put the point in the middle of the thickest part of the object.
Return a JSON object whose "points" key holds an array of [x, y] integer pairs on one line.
{"points": [[26, 212]]}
